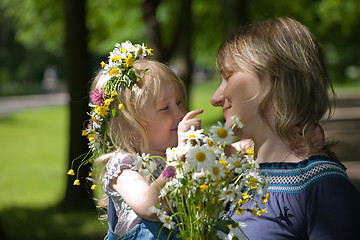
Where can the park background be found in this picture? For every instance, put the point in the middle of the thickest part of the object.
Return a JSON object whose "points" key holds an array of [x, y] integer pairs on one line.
{"points": [[50, 50]]}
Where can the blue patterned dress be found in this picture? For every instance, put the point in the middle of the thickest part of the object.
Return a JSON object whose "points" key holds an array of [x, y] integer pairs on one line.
{"points": [[124, 223], [312, 199]]}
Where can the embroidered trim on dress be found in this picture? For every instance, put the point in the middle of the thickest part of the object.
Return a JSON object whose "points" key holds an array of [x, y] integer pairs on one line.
{"points": [[296, 180]]}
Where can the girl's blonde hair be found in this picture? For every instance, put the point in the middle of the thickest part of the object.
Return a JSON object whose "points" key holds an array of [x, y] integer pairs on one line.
{"points": [[128, 131], [286, 51]]}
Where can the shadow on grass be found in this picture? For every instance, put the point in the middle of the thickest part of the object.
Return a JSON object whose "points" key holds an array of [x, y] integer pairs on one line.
{"points": [[50, 223]]}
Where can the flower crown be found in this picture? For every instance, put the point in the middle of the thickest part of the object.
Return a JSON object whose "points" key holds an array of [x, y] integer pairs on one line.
{"points": [[118, 70]]}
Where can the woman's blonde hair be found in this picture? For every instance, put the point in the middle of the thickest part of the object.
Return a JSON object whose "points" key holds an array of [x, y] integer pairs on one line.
{"points": [[287, 52], [128, 131]]}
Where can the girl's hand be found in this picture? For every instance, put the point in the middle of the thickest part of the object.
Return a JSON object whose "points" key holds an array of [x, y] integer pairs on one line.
{"points": [[186, 124]]}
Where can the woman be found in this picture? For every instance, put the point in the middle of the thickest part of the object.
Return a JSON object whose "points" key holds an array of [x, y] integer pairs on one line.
{"points": [[274, 78]]}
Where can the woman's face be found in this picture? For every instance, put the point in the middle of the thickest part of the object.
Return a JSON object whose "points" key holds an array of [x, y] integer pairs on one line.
{"points": [[239, 94]]}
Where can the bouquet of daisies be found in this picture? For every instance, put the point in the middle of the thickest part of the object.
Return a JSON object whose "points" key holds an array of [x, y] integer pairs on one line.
{"points": [[205, 187]]}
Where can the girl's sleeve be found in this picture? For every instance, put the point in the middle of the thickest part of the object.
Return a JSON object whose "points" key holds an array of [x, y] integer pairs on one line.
{"points": [[114, 167], [333, 210]]}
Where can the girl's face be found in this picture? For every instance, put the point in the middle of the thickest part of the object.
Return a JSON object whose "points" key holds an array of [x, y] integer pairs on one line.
{"points": [[162, 121], [239, 94]]}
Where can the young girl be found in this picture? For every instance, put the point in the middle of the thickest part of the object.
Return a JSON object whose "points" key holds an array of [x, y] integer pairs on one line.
{"points": [[140, 108]]}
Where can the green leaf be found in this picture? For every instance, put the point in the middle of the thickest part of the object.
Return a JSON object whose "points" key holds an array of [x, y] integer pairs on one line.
{"points": [[222, 225], [114, 113]]}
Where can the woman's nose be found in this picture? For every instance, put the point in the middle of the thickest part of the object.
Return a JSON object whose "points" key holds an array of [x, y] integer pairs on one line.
{"points": [[217, 99]]}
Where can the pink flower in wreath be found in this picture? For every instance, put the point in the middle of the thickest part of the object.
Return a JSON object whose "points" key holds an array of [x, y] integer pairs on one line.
{"points": [[97, 97]]}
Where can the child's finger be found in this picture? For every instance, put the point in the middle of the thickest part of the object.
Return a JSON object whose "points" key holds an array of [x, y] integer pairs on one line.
{"points": [[192, 114]]}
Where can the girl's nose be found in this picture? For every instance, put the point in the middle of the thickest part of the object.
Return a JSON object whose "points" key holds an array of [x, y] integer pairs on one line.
{"points": [[217, 99], [180, 113]]}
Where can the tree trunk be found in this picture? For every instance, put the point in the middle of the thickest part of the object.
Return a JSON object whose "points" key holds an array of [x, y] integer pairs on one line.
{"points": [[235, 14], [78, 78], [183, 38], [153, 32], [181, 44]]}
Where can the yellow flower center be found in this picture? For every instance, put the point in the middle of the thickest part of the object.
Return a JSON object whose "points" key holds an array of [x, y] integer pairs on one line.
{"points": [[191, 136], [103, 64], [237, 164], [167, 219], [114, 72], [228, 192], [252, 182], [200, 156], [216, 170], [211, 143], [140, 51], [222, 132]]}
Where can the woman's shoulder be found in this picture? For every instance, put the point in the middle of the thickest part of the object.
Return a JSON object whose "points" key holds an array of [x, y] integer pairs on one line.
{"points": [[297, 177]]}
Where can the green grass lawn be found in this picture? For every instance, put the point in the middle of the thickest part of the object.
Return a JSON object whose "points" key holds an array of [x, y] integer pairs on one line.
{"points": [[34, 154], [33, 174]]}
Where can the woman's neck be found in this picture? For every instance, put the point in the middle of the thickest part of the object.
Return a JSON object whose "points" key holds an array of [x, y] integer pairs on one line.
{"points": [[275, 150]]}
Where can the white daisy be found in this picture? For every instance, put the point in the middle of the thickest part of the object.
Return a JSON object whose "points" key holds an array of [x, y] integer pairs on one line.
{"points": [[236, 233], [140, 51], [126, 45], [238, 164], [198, 175], [237, 122], [217, 171], [166, 220], [95, 143], [200, 157], [193, 134], [228, 194], [174, 155], [222, 134], [154, 209]]}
